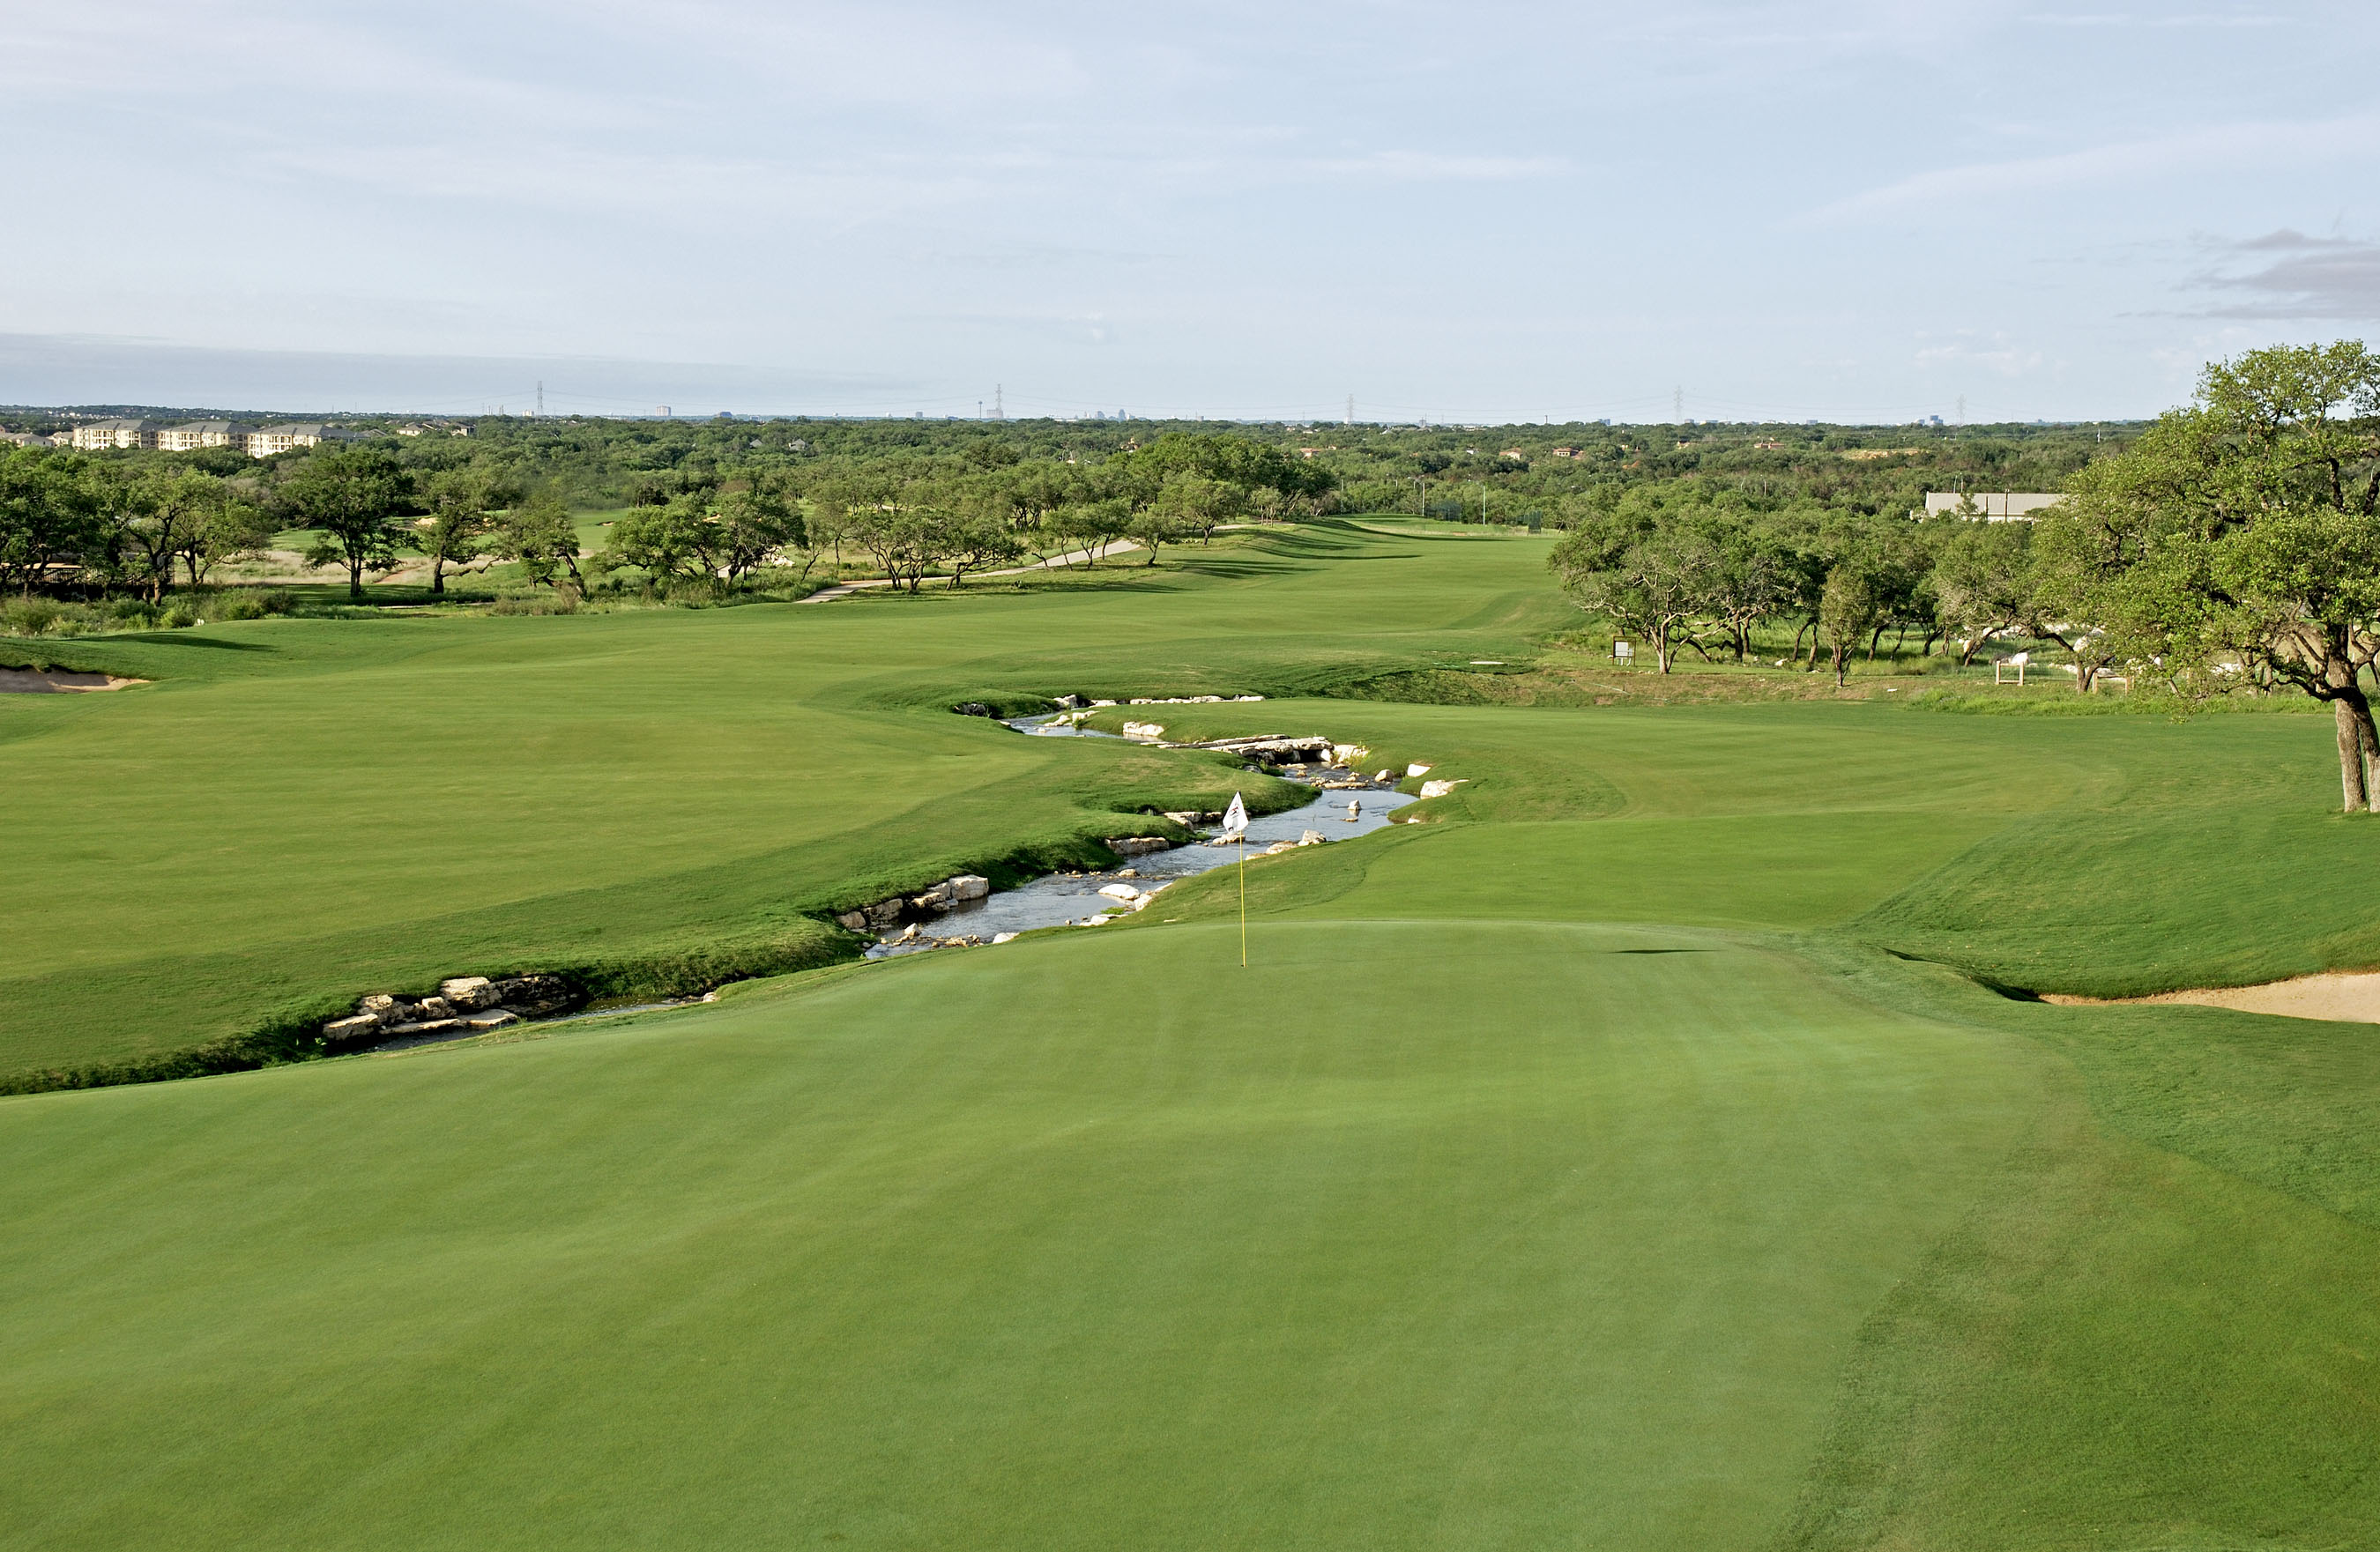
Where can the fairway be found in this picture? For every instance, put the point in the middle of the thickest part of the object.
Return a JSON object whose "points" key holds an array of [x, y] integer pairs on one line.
{"points": [[1630, 1152]]}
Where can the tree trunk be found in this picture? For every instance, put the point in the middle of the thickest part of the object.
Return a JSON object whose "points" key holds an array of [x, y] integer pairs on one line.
{"points": [[438, 576], [1841, 655], [2368, 739], [354, 579], [2354, 793]]}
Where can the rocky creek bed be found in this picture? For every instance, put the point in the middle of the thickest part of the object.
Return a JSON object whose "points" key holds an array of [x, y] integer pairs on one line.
{"points": [[964, 910]]}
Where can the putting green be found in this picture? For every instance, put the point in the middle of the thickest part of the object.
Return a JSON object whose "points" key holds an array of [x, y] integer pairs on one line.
{"points": [[1046, 1244]]}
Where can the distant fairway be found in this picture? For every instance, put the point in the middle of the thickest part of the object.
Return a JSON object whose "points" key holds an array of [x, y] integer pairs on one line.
{"points": [[1599, 1163]]}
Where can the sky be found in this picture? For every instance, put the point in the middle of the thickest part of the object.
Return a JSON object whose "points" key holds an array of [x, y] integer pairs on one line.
{"points": [[1859, 210]]}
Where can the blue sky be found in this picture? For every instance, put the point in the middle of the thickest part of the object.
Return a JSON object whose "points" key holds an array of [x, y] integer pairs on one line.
{"points": [[1843, 210]]}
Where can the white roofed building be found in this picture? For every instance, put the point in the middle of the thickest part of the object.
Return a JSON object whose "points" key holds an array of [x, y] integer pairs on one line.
{"points": [[1992, 506]]}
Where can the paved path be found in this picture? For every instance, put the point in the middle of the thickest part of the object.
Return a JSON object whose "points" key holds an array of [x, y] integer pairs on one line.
{"points": [[845, 589]]}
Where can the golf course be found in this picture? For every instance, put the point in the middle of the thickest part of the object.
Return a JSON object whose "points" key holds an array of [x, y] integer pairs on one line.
{"points": [[1657, 1140]]}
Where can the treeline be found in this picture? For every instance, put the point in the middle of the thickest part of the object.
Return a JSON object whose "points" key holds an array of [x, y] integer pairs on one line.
{"points": [[108, 523], [1691, 574]]}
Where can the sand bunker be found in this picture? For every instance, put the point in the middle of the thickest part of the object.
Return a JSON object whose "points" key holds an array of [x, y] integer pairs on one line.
{"points": [[2346, 997], [57, 681]]}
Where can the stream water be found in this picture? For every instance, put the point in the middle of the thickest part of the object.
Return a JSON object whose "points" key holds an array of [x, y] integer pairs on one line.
{"points": [[1062, 898]]}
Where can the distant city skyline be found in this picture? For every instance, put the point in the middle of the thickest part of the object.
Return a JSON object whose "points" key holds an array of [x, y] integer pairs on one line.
{"points": [[1855, 211]]}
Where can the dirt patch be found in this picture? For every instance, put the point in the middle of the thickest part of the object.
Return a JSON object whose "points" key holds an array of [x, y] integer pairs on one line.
{"points": [[2342, 996], [57, 681]]}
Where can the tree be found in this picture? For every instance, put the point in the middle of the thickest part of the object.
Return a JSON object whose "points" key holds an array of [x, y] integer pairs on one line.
{"points": [[1197, 507], [1853, 605], [1983, 581], [1750, 577], [460, 526], [348, 497], [1646, 576], [2238, 539], [231, 527], [750, 527], [537, 532], [49, 515], [976, 537], [1090, 526], [666, 543]]}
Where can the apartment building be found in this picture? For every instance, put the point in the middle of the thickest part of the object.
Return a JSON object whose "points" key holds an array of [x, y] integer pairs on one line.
{"points": [[202, 434], [101, 434], [266, 440]]}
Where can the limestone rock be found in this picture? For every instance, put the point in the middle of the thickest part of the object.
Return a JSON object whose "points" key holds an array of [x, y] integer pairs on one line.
{"points": [[886, 912], [434, 1008], [1417, 770], [468, 993], [1312, 838], [972, 709], [1003, 937], [856, 921], [531, 995], [1120, 892], [968, 886], [1147, 732], [1139, 845], [429, 1026], [493, 1018], [1068, 703], [351, 1028], [1439, 789], [379, 1004]]}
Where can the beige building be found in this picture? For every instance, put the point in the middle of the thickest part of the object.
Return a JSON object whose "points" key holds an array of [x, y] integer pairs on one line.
{"points": [[266, 440], [201, 433], [1992, 506], [102, 434]]}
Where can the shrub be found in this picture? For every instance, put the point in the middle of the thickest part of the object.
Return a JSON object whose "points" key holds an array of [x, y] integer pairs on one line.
{"points": [[133, 614], [563, 599], [182, 616], [240, 606], [278, 600], [32, 617]]}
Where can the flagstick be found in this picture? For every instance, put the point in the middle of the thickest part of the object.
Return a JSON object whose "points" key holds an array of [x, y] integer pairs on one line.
{"points": [[1244, 900]]}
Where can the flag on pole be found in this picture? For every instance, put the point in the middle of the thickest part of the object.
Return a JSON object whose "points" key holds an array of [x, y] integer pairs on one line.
{"points": [[1235, 826]]}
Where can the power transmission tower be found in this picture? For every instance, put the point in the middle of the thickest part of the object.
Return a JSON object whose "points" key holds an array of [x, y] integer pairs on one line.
{"points": [[541, 401], [1678, 406], [1351, 410], [1962, 416]]}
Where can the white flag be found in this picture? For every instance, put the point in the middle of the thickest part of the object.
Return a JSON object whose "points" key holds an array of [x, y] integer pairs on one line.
{"points": [[1235, 818]]}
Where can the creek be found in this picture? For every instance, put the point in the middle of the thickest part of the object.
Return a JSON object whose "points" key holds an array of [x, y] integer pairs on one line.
{"points": [[1060, 898]]}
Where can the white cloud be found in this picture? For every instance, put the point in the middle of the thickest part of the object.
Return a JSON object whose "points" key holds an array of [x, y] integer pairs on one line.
{"points": [[2198, 154]]}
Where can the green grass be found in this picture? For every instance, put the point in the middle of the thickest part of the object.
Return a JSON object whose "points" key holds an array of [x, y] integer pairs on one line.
{"points": [[1623, 1155]]}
